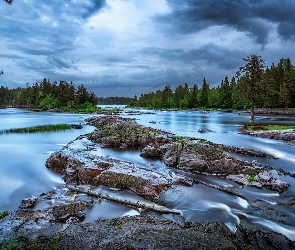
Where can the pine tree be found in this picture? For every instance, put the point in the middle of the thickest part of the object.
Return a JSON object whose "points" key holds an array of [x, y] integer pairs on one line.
{"points": [[252, 72]]}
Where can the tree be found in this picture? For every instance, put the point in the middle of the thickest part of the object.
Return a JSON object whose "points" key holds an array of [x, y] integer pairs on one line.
{"points": [[204, 94], [49, 102], [252, 73]]}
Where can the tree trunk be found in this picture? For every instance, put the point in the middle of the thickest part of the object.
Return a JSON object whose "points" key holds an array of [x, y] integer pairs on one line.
{"points": [[252, 111]]}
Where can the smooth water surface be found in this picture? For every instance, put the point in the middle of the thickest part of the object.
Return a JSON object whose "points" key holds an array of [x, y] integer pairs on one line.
{"points": [[23, 171], [23, 156]]}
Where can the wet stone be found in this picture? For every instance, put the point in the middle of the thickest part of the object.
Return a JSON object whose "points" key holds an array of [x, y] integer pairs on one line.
{"points": [[28, 203]]}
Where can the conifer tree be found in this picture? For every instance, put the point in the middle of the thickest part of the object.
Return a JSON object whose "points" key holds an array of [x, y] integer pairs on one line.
{"points": [[252, 73]]}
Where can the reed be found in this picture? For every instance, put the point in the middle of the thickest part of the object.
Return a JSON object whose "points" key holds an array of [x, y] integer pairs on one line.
{"points": [[37, 129]]}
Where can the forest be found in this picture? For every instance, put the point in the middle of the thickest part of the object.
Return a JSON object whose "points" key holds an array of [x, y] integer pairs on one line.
{"points": [[274, 88], [114, 100], [46, 95]]}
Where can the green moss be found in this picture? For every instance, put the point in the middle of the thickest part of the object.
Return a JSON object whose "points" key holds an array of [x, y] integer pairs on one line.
{"points": [[37, 129], [40, 242], [221, 149], [8, 243], [202, 142]]}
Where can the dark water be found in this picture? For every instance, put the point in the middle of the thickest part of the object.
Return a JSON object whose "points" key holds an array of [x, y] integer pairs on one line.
{"points": [[23, 171]]}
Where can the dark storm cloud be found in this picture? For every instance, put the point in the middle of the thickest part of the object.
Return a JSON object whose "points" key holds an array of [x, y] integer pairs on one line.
{"points": [[225, 58], [62, 64], [254, 17], [95, 6]]}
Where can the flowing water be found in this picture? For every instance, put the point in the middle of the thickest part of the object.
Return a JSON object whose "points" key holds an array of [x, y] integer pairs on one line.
{"points": [[23, 172]]}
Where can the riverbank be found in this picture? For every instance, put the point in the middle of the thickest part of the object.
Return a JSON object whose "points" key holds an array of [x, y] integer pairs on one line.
{"points": [[282, 133], [82, 167], [137, 232]]}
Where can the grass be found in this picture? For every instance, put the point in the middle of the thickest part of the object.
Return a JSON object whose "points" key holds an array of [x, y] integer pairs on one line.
{"points": [[37, 129], [3, 214], [267, 127], [251, 178]]}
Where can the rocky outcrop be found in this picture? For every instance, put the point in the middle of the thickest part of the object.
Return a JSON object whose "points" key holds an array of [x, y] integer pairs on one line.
{"points": [[118, 132], [287, 135], [137, 232], [81, 167], [185, 153]]}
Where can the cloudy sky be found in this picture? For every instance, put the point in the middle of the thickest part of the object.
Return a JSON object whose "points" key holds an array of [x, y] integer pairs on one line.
{"points": [[128, 47]]}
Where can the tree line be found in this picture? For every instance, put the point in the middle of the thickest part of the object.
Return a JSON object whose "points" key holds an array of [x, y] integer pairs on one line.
{"points": [[46, 95], [254, 85], [114, 100]]}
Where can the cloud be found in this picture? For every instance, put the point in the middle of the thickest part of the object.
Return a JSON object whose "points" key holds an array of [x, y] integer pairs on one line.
{"points": [[253, 17], [94, 7], [128, 47], [224, 58]]}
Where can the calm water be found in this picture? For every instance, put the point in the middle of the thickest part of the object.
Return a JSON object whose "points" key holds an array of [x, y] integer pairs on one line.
{"points": [[23, 171]]}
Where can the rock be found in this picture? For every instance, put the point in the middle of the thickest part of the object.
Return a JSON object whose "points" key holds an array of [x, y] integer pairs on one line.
{"points": [[76, 126], [265, 176], [63, 212], [277, 185], [263, 179], [245, 151], [148, 184], [28, 203], [118, 132], [133, 232], [287, 135], [84, 168], [154, 152], [172, 154], [205, 130]]}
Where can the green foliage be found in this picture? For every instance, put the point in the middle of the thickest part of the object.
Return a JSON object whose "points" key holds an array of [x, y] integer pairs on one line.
{"points": [[87, 107], [272, 87], [221, 149], [3, 214], [203, 142], [114, 100], [180, 138], [37, 129], [257, 126], [49, 102], [251, 178], [47, 95]]}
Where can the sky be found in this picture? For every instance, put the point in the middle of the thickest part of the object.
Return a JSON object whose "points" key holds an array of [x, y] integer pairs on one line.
{"points": [[132, 47]]}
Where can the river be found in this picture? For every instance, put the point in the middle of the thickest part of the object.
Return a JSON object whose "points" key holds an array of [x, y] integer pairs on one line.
{"points": [[23, 171]]}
